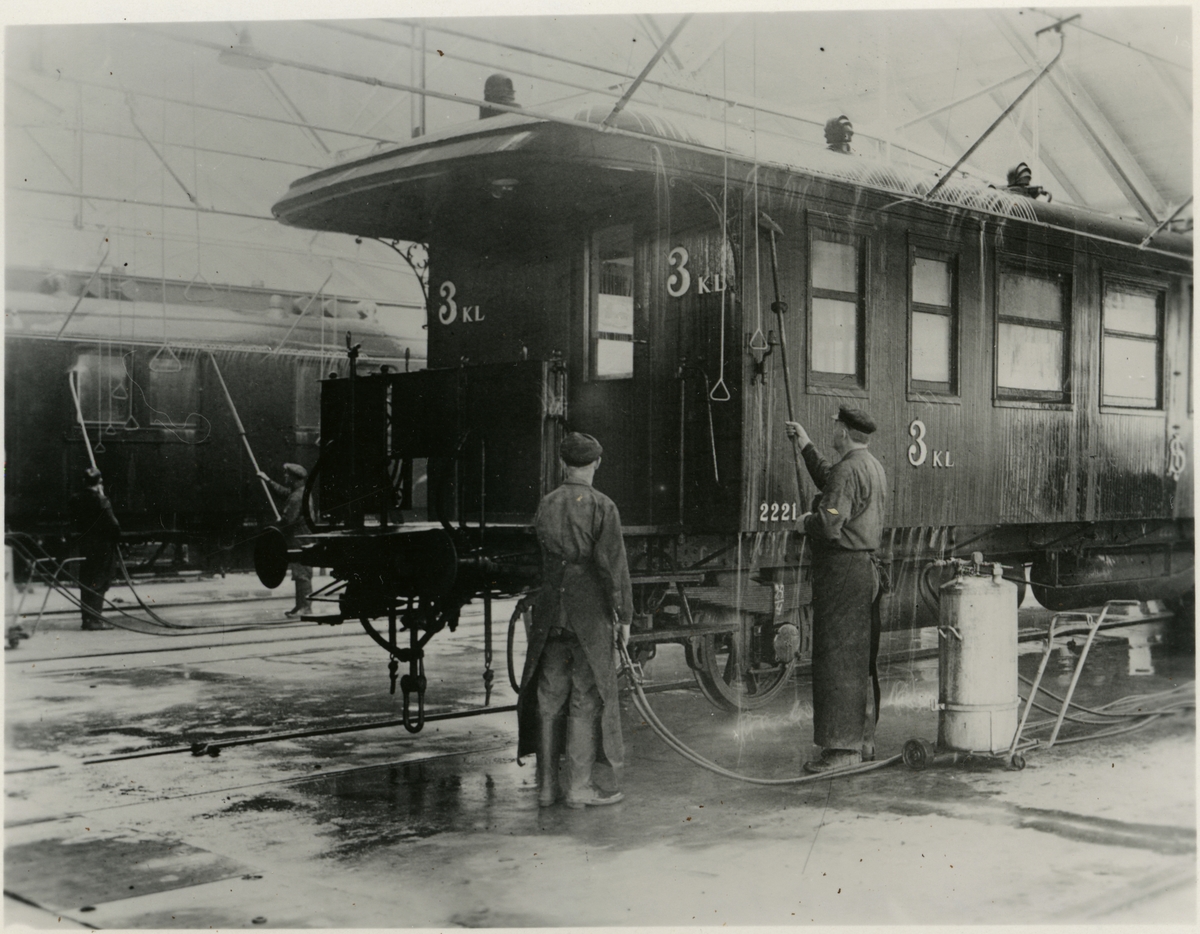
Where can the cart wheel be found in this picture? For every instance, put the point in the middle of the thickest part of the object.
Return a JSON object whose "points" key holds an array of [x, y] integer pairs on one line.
{"points": [[1018, 761], [918, 754]]}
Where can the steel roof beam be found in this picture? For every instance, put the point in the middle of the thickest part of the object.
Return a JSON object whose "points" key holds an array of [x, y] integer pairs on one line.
{"points": [[1061, 176], [656, 35], [1096, 131], [962, 100]]}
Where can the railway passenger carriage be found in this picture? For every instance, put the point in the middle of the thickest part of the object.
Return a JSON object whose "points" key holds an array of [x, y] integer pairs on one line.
{"points": [[151, 363], [1028, 365]]}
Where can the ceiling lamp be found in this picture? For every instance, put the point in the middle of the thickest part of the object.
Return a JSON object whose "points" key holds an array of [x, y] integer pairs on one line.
{"points": [[243, 55]]}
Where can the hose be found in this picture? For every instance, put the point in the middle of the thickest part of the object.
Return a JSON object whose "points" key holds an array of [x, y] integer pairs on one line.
{"points": [[1101, 712], [25, 545], [1185, 702], [517, 613], [928, 592], [651, 718]]}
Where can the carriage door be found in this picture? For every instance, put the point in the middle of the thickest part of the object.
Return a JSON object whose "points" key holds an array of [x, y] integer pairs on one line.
{"points": [[611, 400]]}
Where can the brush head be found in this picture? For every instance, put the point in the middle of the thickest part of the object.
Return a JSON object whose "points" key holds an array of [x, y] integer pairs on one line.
{"points": [[765, 222]]}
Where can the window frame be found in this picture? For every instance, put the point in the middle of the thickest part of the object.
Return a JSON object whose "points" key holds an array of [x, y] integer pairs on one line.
{"points": [[819, 382], [1143, 286], [1043, 269], [189, 363], [591, 284], [928, 390], [316, 369], [119, 355]]}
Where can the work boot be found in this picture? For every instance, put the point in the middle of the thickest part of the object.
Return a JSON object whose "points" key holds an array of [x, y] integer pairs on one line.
{"points": [[547, 761], [581, 756], [597, 799], [834, 759], [303, 604]]}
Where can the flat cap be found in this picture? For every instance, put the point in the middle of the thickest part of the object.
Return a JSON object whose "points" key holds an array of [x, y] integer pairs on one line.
{"points": [[856, 419], [295, 470], [579, 450], [92, 476]]}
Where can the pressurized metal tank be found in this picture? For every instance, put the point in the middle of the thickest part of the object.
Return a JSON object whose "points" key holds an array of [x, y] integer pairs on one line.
{"points": [[977, 661]]}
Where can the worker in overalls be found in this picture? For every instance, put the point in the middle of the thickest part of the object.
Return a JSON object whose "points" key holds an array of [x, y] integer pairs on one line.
{"points": [[844, 530], [99, 531], [569, 685], [293, 525]]}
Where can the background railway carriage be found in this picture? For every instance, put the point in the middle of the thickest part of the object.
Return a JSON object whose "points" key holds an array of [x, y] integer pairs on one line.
{"points": [[145, 365], [1028, 365]]}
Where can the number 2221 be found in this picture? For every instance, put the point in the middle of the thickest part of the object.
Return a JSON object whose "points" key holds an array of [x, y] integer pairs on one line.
{"points": [[778, 512]]}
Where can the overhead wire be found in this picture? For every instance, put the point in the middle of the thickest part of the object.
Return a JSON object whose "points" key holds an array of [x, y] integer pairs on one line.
{"points": [[1124, 44], [468, 100], [97, 131], [245, 114]]}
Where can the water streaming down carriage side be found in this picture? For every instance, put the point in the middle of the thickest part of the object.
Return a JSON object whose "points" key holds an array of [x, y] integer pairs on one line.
{"points": [[623, 271]]}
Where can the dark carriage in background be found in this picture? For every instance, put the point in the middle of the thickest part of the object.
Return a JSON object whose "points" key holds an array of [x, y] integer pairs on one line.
{"points": [[1028, 364], [154, 366]]}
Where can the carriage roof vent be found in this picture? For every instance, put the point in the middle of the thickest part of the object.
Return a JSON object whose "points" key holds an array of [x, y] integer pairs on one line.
{"points": [[498, 89], [839, 131]]}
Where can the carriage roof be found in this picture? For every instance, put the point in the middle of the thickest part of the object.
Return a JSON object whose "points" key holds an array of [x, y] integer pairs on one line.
{"points": [[218, 328], [384, 194]]}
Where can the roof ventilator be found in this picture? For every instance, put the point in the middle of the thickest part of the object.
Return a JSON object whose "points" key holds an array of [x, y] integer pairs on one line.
{"points": [[498, 89]]}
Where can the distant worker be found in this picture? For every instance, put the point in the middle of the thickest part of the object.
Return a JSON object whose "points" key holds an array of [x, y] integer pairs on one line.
{"points": [[1020, 182], [585, 605], [839, 131], [99, 531], [293, 525], [844, 530]]}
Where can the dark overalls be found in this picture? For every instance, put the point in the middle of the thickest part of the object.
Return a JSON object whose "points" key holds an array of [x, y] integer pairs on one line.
{"points": [[844, 531]]}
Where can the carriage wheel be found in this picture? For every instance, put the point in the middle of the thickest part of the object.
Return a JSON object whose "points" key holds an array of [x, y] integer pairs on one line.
{"points": [[735, 679]]}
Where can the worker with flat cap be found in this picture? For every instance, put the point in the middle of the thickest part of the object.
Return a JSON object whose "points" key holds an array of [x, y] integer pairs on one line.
{"points": [[293, 525], [99, 532], [844, 530], [569, 686]]}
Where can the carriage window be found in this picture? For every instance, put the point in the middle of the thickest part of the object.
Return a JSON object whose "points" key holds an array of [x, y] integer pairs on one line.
{"points": [[172, 394], [933, 333], [837, 353], [1032, 336], [610, 303], [103, 384], [1131, 367], [308, 397]]}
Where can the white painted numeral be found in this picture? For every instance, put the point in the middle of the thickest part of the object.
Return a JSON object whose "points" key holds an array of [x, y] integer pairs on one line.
{"points": [[778, 512], [448, 310], [680, 280], [917, 452]]}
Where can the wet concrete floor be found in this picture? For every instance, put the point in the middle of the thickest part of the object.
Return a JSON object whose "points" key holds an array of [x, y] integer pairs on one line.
{"points": [[442, 829]]}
